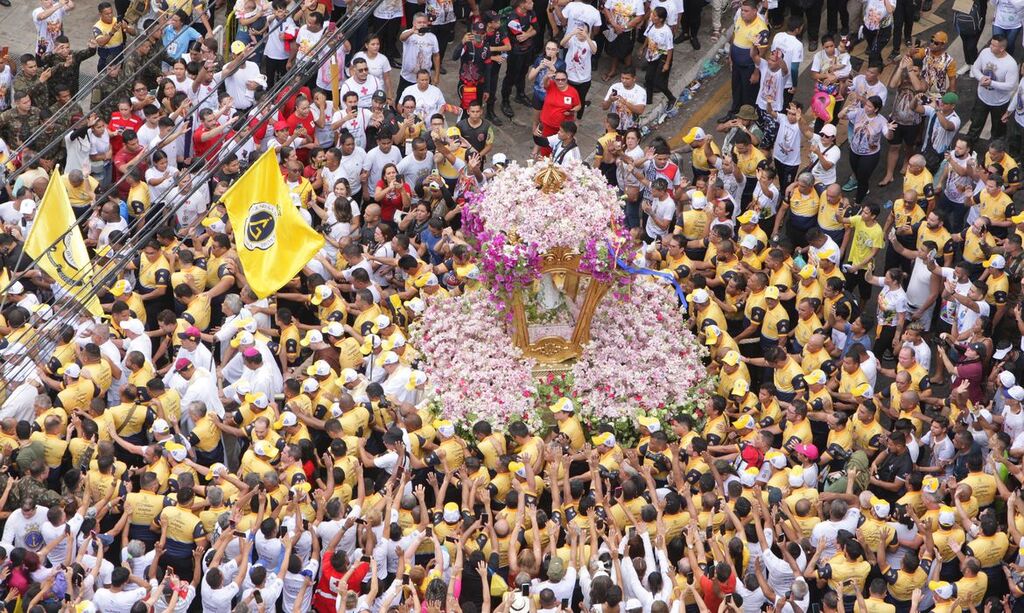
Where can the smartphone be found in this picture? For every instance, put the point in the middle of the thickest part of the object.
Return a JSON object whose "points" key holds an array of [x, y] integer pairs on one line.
{"points": [[485, 517], [365, 559], [632, 531], [430, 531], [360, 520], [405, 579], [239, 534], [525, 589], [565, 603], [451, 539], [257, 597]]}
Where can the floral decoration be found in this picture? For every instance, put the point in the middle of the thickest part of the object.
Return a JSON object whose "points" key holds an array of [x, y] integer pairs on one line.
{"points": [[641, 357], [475, 370]]}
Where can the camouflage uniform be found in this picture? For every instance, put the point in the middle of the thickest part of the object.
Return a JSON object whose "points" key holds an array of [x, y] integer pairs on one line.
{"points": [[15, 127], [36, 89], [105, 87], [28, 487], [64, 74], [151, 74]]}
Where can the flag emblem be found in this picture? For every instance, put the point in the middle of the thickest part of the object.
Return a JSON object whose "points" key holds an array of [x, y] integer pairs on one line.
{"points": [[260, 226]]}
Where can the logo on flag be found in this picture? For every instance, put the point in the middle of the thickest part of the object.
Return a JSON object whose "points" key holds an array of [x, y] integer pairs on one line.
{"points": [[261, 226]]}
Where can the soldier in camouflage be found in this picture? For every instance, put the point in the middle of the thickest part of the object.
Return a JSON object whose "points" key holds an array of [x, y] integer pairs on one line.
{"points": [[33, 486], [20, 121], [66, 64], [33, 81]]}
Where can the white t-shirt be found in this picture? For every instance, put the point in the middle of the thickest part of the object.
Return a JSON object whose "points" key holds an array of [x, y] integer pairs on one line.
{"points": [[581, 14], [306, 41], [792, 52], [276, 32], [418, 54], [866, 90], [674, 8], [428, 101], [49, 28], [966, 318], [375, 162], [352, 165], [118, 602], [634, 96], [659, 41], [770, 86], [787, 142], [1003, 72], [663, 209], [578, 56], [218, 600], [379, 66], [832, 154], [356, 126], [365, 89], [293, 583]]}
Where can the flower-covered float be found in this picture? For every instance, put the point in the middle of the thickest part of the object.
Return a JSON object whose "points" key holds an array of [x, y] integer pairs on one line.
{"points": [[556, 315]]}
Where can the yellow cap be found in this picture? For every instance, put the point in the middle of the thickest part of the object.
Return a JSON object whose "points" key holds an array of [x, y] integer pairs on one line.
{"points": [[862, 390], [745, 422], [604, 438], [562, 405], [815, 377], [771, 292], [740, 387], [808, 271], [732, 358]]}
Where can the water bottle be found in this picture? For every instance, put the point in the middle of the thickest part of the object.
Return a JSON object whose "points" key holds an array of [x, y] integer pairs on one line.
{"points": [[888, 205]]}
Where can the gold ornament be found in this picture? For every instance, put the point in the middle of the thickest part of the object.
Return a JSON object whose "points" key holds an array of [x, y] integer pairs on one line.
{"points": [[550, 178]]}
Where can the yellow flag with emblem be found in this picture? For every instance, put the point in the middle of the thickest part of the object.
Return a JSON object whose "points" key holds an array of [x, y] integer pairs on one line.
{"points": [[55, 242], [272, 239]]}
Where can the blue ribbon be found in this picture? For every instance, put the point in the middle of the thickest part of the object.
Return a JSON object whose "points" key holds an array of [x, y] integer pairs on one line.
{"points": [[671, 278]]}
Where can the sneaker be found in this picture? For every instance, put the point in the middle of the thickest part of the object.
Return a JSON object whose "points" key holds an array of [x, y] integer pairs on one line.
{"points": [[444, 70], [695, 43], [965, 69], [523, 100], [672, 111], [850, 185], [493, 118], [506, 109]]}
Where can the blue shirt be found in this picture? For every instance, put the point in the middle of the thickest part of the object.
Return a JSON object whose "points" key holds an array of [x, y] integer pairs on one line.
{"points": [[539, 93], [427, 238], [176, 45]]}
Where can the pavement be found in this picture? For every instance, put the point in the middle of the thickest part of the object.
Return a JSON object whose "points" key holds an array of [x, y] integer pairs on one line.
{"points": [[513, 138]]}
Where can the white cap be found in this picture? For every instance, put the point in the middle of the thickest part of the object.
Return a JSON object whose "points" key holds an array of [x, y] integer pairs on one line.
{"points": [[700, 296], [382, 321], [160, 426], [1007, 379], [71, 370], [335, 328], [348, 375], [389, 357], [749, 241], [499, 158], [310, 385], [134, 326], [1016, 392], [16, 288], [446, 430], [698, 200], [288, 419]]}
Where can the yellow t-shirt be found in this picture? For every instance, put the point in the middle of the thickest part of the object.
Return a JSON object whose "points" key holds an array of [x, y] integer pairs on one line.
{"points": [[865, 239]]}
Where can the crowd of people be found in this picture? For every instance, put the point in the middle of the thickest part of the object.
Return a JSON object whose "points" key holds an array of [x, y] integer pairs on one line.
{"points": [[202, 448]]}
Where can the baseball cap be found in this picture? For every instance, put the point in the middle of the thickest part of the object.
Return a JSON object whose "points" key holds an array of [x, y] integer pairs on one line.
{"points": [[1007, 379], [996, 261], [445, 428], [700, 296], [1016, 392], [749, 477], [752, 455], [776, 458], [949, 97], [712, 334], [807, 449], [739, 387], [940, 37], [258, 399], [499, 159], [312, 337], [191, 333], [416, 379], [749, 242], [749, 216], [335, 328], [287, 420], [380, 95], [320, 368], [346, 376], [280, 125], [389, 357], [827, 130], [745, 422], [160, 426], [479, 27], [815, 377], [943, 589], [237, 47], [606, 439], [451, 513], [562, 405], [320, 293], [771, 292], [698, 200], [695, 133], [1003, 348], [182, 364], [651, 423], [71, 370], [120, 288], [731, 358], [265, 449], [880, 507]]}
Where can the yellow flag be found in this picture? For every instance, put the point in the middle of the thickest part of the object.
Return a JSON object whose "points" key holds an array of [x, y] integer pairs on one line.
{"points": [[55, 241], [272, 239]]}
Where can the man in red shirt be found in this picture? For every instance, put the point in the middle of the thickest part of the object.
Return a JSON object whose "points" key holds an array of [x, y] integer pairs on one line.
{"points": [[333, 567], [121, 120], [210, 135], [561, 103], [132, 152]]}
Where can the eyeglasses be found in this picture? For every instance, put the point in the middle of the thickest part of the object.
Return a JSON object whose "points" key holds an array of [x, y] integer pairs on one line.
{"points": [[561, 80]]}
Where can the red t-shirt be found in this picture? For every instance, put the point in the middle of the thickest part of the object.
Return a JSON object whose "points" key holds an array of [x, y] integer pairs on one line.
{"points": [[123, 157], [209, 149], [330, 583], [392, 202], [295, 121], [558, 105], [118, 123], [707, 588]]}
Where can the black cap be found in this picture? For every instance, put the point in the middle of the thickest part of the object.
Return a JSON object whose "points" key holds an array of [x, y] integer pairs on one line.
{"points": [[380, 95], [490, 16], [479, 27]]}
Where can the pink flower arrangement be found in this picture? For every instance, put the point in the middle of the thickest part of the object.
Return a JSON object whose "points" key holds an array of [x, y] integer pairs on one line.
{"points": [[475, 370], [641, 356], [512, 222]]}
